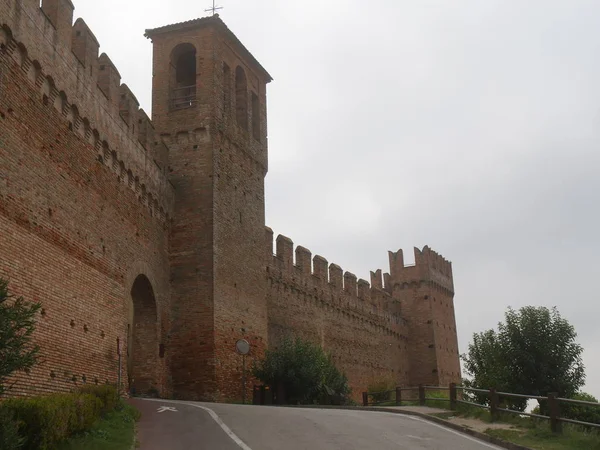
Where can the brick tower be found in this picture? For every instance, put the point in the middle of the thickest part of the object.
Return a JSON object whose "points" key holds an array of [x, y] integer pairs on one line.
{"points": [[209, 107], [426, 295]]}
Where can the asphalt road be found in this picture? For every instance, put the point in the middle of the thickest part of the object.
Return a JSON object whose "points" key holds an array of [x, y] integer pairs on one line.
{"points": [[210, 426]]}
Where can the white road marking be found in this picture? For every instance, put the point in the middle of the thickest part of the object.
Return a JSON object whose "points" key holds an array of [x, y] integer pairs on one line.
{"points": [[166, 408], [417, 437], [217, 419]]}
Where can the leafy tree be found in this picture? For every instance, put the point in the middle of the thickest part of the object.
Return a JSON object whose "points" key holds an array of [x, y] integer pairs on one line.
{"points": [[584, 413], [533, 352], [17, 322], [305, 370]]}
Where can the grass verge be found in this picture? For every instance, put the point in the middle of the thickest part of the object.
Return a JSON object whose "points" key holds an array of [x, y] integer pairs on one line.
{"points": [[116, 431], [544, 439], [530, 432]]}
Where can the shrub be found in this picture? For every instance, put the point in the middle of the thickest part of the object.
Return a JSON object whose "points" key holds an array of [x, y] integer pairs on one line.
{"points": [[46, 421], [381, 390], [306, 372], [106, 393], [9, 430], [583, 413]]}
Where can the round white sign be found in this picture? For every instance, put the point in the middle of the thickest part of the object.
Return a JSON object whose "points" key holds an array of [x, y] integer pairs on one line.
{"points": [[242, 346]]}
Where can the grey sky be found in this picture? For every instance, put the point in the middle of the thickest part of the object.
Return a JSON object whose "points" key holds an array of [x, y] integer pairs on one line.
{"points": [[469, 126]]}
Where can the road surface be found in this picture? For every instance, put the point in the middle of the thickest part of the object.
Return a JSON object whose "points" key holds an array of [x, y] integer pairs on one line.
{"points": [[173, 425]]}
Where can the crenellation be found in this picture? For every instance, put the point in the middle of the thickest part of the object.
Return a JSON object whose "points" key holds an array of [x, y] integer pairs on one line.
{"points": [[364, 290], [269, 244], [145, 131], [85, 47], [377, 279], [285, 252], [303, 260], [336, 276], [350, 284], [109, 82], [60, 15], [320, 268], [387, 283], [128, 108]]}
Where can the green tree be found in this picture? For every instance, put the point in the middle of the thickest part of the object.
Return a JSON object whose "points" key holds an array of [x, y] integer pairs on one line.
{"points": [[305, 370], [17, 322], [533, 352], [583, 413]]}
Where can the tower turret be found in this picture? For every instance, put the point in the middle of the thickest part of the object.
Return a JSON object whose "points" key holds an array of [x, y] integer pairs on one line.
{"points": [[209, 106]]}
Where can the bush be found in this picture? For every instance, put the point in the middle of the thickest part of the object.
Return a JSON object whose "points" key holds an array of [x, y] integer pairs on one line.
{"points": [[9, 430], [583, 413], [306, 373], [106, 393], [381, 390], [46, 421]]}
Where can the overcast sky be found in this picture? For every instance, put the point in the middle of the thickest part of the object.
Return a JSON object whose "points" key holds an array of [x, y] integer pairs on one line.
{"points": [[469, 126]]}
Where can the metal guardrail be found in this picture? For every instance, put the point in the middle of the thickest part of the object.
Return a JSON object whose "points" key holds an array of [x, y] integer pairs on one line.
{"points": [[494, 404]]}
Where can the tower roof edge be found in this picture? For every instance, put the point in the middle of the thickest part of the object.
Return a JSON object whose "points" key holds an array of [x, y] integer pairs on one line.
{"points": [[204, 22]]}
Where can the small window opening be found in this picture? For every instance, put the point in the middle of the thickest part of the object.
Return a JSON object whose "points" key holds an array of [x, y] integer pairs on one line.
{"points": [[183, 76], [255, 117], [241, 98]]}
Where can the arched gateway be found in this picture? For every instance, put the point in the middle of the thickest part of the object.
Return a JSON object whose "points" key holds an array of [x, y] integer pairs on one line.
{"points": [[143, 345]]}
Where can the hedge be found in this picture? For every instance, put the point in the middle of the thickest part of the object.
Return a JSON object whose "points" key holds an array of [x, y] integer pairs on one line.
{"points": [[46, 421]]}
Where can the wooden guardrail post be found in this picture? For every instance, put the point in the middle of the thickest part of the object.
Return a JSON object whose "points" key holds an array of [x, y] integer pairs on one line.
{"points": [[554, 411], [365, 399], [494, 404], [452, 396], [421, 395], [398, 396]]}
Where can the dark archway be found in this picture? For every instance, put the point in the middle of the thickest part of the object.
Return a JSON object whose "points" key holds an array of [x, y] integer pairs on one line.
{"points": [[183, 76], [142, 342]]}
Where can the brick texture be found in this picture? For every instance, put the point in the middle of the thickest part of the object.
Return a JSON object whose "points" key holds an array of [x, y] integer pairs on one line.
{"points": [[153, 231]]}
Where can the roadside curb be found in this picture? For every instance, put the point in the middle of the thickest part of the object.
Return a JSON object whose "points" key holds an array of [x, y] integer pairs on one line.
{"points": [[482, 436]]}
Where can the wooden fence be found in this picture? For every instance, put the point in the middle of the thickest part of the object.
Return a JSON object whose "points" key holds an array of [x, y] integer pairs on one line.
{"points": [[456, 396]]}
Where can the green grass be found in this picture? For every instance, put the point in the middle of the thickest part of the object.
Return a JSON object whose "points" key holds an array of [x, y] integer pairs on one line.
{"points": [[114, 432], [543, 439], [530, 432]]}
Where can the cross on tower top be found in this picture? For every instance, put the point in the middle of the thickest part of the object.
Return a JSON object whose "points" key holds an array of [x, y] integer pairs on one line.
{"points": [[214, 8]]}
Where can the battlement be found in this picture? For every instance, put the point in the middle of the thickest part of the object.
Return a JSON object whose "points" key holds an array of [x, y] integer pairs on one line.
{"points": [[334, 287], [61, 61], [429, 266]]}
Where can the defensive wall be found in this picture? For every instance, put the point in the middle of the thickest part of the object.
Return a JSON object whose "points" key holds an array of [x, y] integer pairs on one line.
{"points": [[92, 228], [399, 327], [358, 321], [85, 204]]}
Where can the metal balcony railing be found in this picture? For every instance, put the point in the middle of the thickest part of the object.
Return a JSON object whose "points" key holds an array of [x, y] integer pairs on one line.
{"points": [[183, 97]]}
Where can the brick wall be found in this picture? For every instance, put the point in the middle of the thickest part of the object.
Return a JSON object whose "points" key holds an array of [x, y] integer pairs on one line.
{"points": [[358, 324], [153, 231], [82, 210]]}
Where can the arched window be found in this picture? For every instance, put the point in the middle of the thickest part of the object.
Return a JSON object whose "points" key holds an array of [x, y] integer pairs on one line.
{"points": [[241, 98], [255, 117], [183, 76], [226, 89]]}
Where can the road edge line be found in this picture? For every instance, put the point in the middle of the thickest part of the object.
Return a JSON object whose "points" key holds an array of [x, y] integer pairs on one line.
{"points": [[234, 437]]}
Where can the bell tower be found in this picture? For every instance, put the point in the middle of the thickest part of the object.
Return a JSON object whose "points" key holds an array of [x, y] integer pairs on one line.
{"points": [[209, 107]]}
